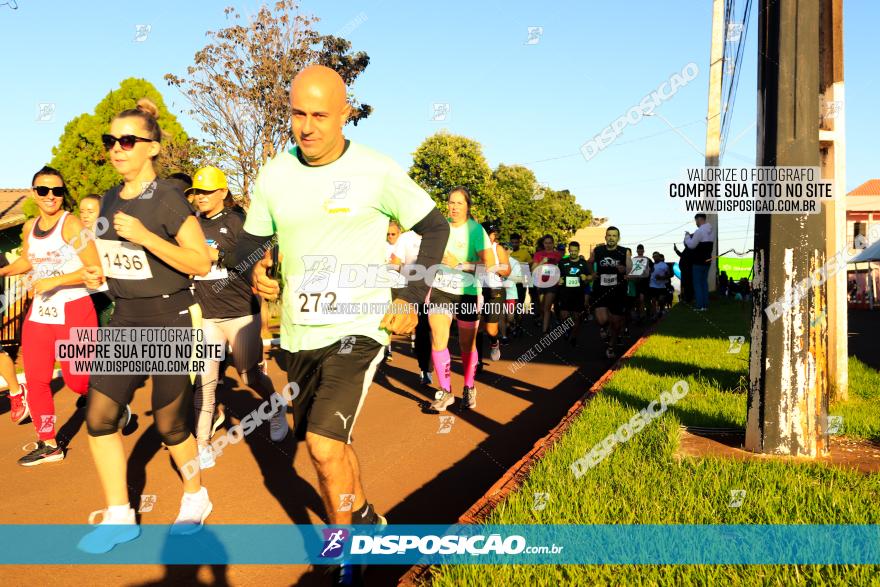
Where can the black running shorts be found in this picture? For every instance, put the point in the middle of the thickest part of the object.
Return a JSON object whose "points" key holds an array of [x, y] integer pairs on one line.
{"points": [[462, 306], [571, 299], [493, 305], [612, 298], [333, 383], [178, 310]]}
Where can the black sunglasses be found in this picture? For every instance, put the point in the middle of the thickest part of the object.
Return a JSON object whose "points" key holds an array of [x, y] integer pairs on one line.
{"points": [[44, 191], [127, 142]]}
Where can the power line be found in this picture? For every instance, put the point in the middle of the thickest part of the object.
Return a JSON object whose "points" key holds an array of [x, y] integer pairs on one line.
{"points": [[734, 82], [620, 143]]}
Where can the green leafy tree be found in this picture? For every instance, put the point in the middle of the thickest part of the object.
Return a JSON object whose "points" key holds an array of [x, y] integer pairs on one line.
{"points": [[521, 188], [533, 210], [561, 214], [239, 83], [444, 161], [80, 156]]}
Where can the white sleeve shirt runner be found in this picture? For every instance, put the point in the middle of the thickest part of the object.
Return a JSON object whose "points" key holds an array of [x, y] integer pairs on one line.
{"points": [[703, 234], [331, 222]]}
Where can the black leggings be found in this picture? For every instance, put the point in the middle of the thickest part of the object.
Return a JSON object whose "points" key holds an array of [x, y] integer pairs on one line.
{"points": [[423, 340], [172, 394], [102, 417]]}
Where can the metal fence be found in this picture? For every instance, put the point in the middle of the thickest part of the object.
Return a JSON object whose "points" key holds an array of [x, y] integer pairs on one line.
{"points": [[15, 307]]}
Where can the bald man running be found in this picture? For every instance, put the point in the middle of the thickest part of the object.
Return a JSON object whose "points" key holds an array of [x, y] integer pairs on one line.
{"points": [[329, 200]]}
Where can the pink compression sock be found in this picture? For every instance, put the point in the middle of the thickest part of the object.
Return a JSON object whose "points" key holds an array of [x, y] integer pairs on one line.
{"points": [[442, 367], [469, 359], [469, 364]]}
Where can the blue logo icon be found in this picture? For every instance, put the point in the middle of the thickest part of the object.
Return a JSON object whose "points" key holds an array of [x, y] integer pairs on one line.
{"points": [[334, 542]]}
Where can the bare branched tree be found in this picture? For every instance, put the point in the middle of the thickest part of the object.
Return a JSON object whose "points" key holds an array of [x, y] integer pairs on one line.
{"points": [[239, 83]]}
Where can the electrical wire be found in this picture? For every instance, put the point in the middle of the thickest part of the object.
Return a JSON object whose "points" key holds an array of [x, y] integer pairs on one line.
{"points": [[734, 82], [621, 143]]}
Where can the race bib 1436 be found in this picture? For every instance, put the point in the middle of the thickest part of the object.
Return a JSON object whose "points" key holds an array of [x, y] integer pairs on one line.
{"points": [[123, 260]]}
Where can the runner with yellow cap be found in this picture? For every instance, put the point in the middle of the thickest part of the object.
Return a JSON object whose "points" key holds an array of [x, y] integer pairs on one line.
{"points": [[230, 310]]}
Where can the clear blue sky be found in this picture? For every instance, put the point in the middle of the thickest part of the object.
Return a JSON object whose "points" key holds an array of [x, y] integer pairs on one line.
{"points": [[523, 102]]}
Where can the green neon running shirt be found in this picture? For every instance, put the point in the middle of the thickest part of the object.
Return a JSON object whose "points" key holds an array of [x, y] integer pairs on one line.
{"points": [[465, 243], [331, 221]]}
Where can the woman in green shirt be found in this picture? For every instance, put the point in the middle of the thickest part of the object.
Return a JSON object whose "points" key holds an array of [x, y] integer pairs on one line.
{"points": [[454, 294]]}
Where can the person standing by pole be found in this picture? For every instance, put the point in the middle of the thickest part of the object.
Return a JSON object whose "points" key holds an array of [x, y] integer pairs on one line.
{"points": [[701, 243], [685, 267]]}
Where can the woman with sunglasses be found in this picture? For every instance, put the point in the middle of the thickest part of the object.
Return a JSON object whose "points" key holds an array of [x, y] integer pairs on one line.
{"points": [[57, 263], [230, 310], [454, 294], [152, 245]]}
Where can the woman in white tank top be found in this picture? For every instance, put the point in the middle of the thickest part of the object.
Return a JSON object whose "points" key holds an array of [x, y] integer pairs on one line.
{"points": [[493, 296], [55, 253]]}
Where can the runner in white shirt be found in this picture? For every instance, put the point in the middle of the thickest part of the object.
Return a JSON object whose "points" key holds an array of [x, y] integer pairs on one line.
{"points": [[406, 251], [391, 238], [55, 259], [511, 295], [492, 295], [660, 276], [641, 272]]}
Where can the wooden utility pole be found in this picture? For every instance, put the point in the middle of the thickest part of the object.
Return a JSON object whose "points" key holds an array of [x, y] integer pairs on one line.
{"points": [[788, 395], [832, 143], [713, 117]]}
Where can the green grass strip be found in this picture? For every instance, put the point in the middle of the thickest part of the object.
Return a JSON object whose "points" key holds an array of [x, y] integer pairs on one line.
{"points": [[643, 482]]}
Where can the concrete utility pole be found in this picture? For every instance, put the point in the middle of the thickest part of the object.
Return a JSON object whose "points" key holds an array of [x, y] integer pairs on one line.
{"points": [[832, 143], [713, 118], [788, 395]]}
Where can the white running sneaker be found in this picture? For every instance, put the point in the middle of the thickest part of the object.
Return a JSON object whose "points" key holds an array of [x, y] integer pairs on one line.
{"points": [[442, 400], [206, 457], [278, 426], [109, 532], [194, 509], [495, 352]]}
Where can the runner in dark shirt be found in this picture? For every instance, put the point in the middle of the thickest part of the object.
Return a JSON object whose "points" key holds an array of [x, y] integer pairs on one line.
{"points": [[230, 311], [574, 272], [611, 264]]}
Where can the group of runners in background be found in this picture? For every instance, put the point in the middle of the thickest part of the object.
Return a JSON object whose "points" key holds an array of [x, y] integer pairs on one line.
{"points": [[611, 284]]}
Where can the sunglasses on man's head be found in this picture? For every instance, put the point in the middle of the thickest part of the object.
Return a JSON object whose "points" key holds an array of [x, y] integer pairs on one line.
{"points": [[127, 142], [43, 190]]}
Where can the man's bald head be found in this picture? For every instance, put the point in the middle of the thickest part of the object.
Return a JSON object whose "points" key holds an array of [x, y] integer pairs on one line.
{"points": [[319, 108], [320, 80]]}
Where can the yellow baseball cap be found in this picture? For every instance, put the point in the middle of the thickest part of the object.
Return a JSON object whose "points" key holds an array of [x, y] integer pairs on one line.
{"points": [[209, 179]]}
